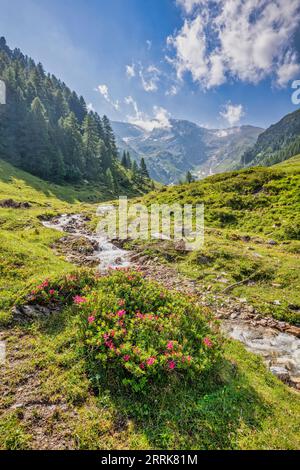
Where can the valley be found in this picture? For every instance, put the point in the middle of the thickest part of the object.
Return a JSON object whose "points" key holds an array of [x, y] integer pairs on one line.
{"points": [[47, 399], [182, 146], [135, 342]]}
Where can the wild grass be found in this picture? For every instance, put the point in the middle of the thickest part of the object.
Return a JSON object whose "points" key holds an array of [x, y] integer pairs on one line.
{"points": [[238, 405]]}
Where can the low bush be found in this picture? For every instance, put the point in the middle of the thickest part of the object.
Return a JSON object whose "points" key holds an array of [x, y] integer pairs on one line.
{"points": [[58, 290], [143, 332]]}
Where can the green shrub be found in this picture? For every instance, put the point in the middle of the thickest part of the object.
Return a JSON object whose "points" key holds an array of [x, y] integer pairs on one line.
{"points": [[143, 332], [58, 291]]}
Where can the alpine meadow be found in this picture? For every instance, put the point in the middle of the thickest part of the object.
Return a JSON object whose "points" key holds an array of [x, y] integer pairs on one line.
{"points": [[150, 228]]}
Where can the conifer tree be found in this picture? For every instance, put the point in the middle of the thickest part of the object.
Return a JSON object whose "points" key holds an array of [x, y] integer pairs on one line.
{"points": [[109, 179], [189, 177], [143, 169], [45, 127]]}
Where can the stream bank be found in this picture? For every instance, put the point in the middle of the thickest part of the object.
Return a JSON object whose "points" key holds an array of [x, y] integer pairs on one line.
{"points": [[277, 342]]}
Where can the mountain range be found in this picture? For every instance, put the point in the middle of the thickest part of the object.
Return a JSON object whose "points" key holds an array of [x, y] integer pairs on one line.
{"points": [[181, 146]]}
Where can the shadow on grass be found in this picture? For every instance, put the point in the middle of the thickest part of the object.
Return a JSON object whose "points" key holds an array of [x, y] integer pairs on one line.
{"points": [[207, 414], [66, 192], [69, 193]]}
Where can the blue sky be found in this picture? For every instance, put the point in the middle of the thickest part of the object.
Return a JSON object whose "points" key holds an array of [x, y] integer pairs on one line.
{"points": [[215, 62]]}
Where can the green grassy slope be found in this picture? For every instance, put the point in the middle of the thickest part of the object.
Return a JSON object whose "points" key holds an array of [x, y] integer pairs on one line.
{"points": [[20, 184], [252, 231], [25, 251], [242, 406]]}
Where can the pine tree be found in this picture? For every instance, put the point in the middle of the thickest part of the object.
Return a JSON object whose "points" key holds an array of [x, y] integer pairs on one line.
{"points": [[109, 179], [92, 147], [109, 137], [124, 160], [38, 141], [143, 169], [189, 177], [73, 149], [45, 128], [129, 162], [135, 168]]}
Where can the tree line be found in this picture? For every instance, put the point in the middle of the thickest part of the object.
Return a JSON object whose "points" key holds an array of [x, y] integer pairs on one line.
{"points": [[47, 130]]}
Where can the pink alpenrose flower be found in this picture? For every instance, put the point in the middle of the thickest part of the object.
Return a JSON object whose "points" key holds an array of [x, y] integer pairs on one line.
{"points": [[91, 319], [121, 313], [150, 361], [126, 358], [170, 345], [208, 342], [172, 365], [79, 300]]}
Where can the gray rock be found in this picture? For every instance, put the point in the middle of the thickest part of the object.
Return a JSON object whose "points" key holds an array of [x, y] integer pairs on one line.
{"points": [[281, 372], [29, 313]]}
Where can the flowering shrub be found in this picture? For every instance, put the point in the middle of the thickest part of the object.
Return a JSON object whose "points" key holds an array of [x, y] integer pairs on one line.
{"points": [[62, 291], [139, 330]]}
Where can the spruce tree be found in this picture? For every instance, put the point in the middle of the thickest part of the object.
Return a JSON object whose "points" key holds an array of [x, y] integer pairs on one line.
{"points": [[189, 177], [109, 179], [128, 161], [143, 169], [124, 160]]}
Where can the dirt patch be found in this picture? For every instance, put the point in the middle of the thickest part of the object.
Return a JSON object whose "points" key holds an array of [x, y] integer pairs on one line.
{"points": [[11, 204], [47, 423]]}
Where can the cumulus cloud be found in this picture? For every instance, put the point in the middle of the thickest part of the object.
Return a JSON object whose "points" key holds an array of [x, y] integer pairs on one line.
{"points": [[289, 69], [232, 113], [247, 40], [130, 71], [103, 90], [149, 44], [189, 5], [159, 120]]}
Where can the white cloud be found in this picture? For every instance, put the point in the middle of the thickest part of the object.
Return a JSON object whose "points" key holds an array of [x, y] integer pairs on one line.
{"points": [[172, 91], [288, 70], [130, 101], [150, 78], [189, 5], [130, 71], [247, 40], [103, 90], [159, 120], [149, 44], [232, 113], [90, 107]]}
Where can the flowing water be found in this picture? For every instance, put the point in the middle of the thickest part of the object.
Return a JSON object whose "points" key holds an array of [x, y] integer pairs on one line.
{"points": [[280, 351], [107, 254]]}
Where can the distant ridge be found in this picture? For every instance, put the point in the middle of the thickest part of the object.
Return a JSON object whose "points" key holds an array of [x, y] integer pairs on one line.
{"points": [[184, 146]]}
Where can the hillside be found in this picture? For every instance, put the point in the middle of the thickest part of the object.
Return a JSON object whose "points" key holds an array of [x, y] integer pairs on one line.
{"points": [[55, 395], [278, 143], [183, 146], [47, 130], [252, 236]]}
